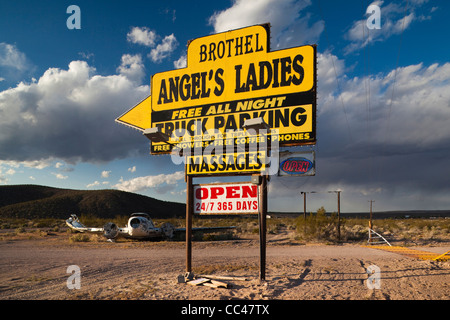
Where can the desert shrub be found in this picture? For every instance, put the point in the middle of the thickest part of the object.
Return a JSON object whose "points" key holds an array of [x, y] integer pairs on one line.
{"points": [[318, 226], [355, 232], [80, 237]]}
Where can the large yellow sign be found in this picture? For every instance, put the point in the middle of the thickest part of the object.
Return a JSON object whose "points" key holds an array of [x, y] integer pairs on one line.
{"points": [[231, 77]]}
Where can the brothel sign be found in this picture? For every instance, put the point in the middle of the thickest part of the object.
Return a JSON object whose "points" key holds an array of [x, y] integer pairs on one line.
{"points": [[231, 77], [227, 198]]}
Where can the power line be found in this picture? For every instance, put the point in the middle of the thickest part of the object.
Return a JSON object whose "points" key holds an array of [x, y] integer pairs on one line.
{"points": [[388, 120], [367, 81], [335, 73]]}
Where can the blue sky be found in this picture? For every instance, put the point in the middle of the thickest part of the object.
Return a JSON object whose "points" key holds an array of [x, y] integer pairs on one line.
{"points": [[383, 95]]}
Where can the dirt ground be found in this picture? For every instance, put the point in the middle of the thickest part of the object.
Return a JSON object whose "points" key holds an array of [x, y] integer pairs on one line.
{"points": [[37, 270]]}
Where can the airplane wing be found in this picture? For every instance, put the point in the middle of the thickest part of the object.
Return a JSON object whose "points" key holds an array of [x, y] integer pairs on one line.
{"points": [[109, 230], [206, 229]]}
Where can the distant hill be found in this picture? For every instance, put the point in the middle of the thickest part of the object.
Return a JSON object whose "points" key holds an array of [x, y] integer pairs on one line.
{"points": [[34, 201]]}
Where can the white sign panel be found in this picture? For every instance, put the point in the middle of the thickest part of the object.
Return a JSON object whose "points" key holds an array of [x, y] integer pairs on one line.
{"points": [[227, 198]]}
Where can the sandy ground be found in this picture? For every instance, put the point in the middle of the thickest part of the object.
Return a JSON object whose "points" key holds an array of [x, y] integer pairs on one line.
{"points": [[37, 270]]}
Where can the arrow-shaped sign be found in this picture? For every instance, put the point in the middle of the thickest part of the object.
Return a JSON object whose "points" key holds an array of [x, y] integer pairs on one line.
{"points": [[138, 117]]}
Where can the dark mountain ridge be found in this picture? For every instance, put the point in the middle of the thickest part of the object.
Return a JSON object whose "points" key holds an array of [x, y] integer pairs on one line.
{"points": [[35, 201]]}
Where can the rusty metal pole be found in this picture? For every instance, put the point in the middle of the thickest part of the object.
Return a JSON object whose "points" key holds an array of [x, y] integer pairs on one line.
{"points": [[189, 205], [262, 227]]}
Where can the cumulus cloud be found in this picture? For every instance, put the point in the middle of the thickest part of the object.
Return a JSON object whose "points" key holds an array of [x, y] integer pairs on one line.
{"points": [[164, 49], [289, 27], [132, 67], [181, 62], [68, 115], [93, 184], [105, 174], [60, 176], [159, 182], [142, 35], [148, 38]]}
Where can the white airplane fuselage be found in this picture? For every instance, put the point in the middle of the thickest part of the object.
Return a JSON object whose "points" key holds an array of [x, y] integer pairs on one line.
{"points": [[142, 228]]}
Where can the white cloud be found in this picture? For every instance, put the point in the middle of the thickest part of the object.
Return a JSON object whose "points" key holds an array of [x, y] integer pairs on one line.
{"points": [[10, 172], [132, 169], [329, 67], [142, 183], [14, 64], [11, 57], [85, 55], [60, 176], [132, 67], [94, 184], [35, 164], [143, 36], [68, 115], [105, 174], [163, 50], [288, 26], [181, 62], [148, 38]]}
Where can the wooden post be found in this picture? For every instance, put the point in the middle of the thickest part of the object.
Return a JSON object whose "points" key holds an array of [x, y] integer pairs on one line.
{"points": [[262, 227], [304, 205], [189, 205]]}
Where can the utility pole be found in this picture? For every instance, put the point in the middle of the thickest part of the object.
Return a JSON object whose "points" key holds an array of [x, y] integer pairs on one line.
{"points": [[338, 212], [304, 204], [304, 200], [370, 221]]}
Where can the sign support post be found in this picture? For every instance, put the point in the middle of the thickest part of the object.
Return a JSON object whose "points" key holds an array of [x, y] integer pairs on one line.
{"points": [[189, 204], [262, 227]]}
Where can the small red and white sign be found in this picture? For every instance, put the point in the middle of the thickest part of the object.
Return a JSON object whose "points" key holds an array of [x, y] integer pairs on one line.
{"points": [[231, 198]]}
